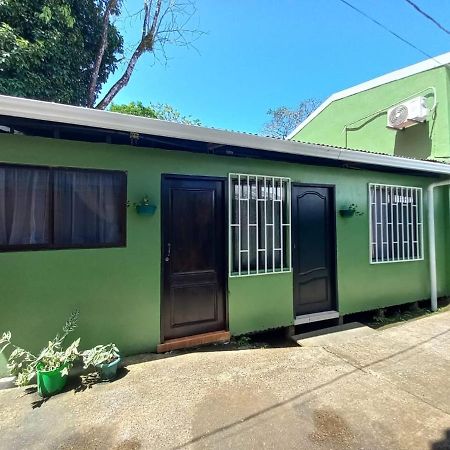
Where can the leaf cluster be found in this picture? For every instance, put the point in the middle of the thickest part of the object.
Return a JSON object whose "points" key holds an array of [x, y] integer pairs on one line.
{"points": [[354, 207], [161, 111], [23, 364], [100, 354], [47, 48], [144, 202]]}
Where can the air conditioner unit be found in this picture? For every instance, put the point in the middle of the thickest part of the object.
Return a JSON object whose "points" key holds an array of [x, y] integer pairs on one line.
{"points": [[407, 113]]}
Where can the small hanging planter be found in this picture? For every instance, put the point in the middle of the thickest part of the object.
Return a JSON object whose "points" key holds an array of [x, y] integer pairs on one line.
{"points": [[350, 211], [144, 207]]}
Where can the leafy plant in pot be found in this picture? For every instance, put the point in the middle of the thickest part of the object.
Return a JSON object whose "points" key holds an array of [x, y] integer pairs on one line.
{"points": [[104, 358], [144, 207], [51, 366], [350, 211]]}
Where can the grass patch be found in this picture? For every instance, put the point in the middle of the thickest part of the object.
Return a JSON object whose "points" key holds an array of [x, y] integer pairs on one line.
{"points": [[410, 311]]}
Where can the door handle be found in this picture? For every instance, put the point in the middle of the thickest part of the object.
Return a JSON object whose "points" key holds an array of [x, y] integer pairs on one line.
{"points": [[167, 258]]}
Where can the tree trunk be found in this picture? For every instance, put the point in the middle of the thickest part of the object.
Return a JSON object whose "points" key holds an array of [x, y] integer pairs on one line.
{"points": [[101, 51]]}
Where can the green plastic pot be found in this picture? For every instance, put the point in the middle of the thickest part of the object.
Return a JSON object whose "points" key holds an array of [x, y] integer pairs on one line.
{"points": [[109, 371], [50, 382]]}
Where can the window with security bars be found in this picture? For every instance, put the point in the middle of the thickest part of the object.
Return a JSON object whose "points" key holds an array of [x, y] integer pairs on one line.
{"points": [[260, 224], [396, 223]]}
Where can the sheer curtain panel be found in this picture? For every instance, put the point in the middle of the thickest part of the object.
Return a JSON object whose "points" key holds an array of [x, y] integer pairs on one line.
{"points": [[24, 206]]}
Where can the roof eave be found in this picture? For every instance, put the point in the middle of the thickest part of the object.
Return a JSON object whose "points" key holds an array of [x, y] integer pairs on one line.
{"points": [[64, 114]]}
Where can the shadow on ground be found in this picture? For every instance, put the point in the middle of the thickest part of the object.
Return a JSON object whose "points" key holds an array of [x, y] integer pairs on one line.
{"points": [[444, 444]]}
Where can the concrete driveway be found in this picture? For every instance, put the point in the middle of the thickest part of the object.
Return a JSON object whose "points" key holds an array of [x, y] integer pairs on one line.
{"points": [[390, 390]]}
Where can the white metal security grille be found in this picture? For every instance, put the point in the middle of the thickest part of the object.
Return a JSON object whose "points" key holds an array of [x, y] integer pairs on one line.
{"points": [[396, 223], [260, 224]]}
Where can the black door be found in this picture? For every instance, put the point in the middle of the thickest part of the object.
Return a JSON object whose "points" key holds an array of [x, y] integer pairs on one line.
{"points": [[314, 249], [193, 298]]}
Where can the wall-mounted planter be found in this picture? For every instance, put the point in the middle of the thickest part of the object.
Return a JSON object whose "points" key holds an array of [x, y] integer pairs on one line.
{"points": [[145, 210], [347, 212]]}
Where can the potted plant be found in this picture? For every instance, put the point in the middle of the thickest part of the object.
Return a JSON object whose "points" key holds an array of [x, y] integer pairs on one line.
{"points": [[51, 366], [350, 211], [144, 207], [105, 359]]}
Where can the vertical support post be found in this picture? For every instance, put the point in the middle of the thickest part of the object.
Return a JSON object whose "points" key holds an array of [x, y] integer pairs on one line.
{"points": [[265, 222], [248, 224], [239, 223], [432, 246]]}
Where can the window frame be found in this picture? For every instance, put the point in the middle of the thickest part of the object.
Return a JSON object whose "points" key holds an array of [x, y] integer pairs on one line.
{"points": [[420, 223], [288, 250], [51, 245]]}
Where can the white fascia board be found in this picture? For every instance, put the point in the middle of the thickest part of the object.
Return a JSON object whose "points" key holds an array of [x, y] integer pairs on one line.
{"points": [[106, 120], [423, 66]]}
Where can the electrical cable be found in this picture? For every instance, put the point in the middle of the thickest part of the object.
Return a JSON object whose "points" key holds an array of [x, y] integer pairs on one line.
{"points": [[417, 8], [388, 30]]}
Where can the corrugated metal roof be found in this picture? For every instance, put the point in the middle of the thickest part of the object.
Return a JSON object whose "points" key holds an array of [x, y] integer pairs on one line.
{"points": [[106, 120]]}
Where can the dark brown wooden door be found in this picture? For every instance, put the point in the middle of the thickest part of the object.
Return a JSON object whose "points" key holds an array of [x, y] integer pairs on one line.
{"points": [[193, 253], [314, 249]]}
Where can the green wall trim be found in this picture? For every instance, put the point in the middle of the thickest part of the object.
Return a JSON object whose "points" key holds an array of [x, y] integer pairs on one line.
{"points": [[118, 289]]}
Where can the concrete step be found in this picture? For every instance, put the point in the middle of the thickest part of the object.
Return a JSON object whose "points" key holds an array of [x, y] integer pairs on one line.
{"points": [[193, 341], [333, 335], [316, 317]]}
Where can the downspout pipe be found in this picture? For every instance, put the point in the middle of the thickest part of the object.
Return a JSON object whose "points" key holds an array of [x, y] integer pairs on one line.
{"points": [[432, 241]]}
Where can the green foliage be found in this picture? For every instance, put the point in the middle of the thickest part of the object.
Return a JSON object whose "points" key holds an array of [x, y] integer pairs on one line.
{"points": [[144, 202], [243, 341], [154, 111], [135, 109], [48, 48], [23, 364], [354, 207], [99, 355]]}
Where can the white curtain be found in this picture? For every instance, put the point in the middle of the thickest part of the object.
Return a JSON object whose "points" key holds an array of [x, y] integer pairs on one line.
{"points": [[87, 206], [24, 206]]}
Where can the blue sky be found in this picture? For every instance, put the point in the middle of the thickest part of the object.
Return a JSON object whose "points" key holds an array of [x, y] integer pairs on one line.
{"points": [[258, 54]]}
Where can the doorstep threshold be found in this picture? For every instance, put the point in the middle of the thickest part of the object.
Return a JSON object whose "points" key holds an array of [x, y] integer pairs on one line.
{"points": [[316, 317], [193, 341]]}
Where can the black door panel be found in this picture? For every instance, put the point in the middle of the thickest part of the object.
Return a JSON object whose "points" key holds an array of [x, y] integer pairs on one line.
{"points": [[314, 249], [193, 256]]}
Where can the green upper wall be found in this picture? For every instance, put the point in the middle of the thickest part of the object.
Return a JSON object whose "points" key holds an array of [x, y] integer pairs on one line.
{"points": [[366, 129], [118, 289]]}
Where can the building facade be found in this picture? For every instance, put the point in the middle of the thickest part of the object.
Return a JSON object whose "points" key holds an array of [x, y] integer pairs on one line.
{"points": [[248, 233], [357, 117]]}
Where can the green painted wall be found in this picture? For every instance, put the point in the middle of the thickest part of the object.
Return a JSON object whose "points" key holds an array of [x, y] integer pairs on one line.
{"points": [[260, 302], [118, 290], [428, 140]]}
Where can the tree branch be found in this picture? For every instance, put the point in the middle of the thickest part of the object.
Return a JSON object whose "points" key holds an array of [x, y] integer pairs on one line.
{"points": [[161, 25], [146, 45]]}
